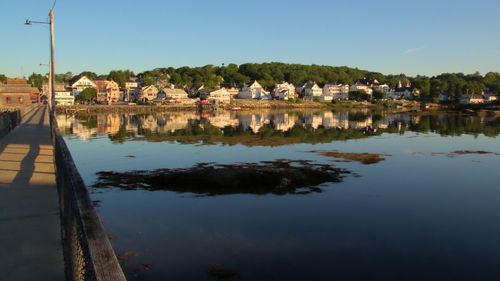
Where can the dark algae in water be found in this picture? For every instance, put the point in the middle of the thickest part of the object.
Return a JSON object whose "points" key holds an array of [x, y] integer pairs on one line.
{"points": [[277, 177], [363, 158]]}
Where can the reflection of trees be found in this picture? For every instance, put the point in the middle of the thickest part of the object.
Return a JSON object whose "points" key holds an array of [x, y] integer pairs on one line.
{"points": [[278, 128]]}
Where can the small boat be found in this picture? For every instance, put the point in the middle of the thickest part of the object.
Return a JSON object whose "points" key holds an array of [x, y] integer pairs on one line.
{"points": [[235, 108]]}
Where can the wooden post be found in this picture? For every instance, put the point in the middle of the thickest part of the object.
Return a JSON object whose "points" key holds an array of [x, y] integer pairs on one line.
{"points": [[52, 68]]}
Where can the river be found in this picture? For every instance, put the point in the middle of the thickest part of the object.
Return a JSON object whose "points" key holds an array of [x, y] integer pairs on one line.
{"points": [[228, 195]]}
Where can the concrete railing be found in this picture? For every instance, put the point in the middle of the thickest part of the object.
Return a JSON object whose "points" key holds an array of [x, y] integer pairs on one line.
{"points": [[8, 121], [88, 254]]}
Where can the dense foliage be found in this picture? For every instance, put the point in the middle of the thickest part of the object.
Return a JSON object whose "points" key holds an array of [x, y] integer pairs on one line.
{"points": [[88, 94]]}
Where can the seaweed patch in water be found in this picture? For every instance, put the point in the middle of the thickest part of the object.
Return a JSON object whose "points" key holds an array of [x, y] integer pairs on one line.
{"points": [[363, 158], [464, 152], [278, 177]]}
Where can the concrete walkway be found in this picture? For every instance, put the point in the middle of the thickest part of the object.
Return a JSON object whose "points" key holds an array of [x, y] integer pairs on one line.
{"points": [[30, 231]]}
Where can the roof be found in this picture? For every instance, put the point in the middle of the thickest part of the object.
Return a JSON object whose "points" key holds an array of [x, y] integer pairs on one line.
{"points": [[16, 88], [173, 91], [311, 85], [16, 81], [367, 82]]}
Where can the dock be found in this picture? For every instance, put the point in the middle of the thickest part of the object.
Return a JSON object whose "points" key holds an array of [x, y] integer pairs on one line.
{"points": [[30, 225]]}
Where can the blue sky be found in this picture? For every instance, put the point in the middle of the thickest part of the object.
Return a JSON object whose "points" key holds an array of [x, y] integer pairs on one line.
{"points": [[413, 37]]}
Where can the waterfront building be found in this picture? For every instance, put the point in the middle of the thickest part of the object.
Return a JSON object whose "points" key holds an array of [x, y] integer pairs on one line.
{"points": [[471, 98], [284, 91], [312, 91], [81, 84], [17, 92], [107, 91], [335, 92], [217, 96], [171, 94], [148, 93], [361, 87], [254, 90]]}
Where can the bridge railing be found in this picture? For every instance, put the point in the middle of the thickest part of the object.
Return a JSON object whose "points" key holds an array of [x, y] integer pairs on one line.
{"points": [[88, 252], [8, 121]]}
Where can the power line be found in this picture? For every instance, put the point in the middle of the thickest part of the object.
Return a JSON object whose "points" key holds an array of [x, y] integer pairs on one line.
{"points": [[53, 6]]}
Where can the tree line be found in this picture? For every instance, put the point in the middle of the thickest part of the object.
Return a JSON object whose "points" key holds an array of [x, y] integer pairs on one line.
{"points": [[268, 74]]}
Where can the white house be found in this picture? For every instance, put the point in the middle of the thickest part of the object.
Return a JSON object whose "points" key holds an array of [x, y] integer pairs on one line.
{"points": [[312, 91], [361, 87], [384, 88], [217, 96], [490, 97], [148, 93], [253, 91], [81, 84], [471, 99], [171, 94], [443, 97], [335, 92], [300, 88], [64, 98], [284, 91], [132, 82]]}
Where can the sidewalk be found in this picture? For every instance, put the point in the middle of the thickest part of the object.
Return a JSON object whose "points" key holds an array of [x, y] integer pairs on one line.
{"points": [[30, 231]]}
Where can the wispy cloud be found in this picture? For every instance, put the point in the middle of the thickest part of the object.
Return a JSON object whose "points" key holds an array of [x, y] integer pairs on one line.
{"points": [[413, 50]]}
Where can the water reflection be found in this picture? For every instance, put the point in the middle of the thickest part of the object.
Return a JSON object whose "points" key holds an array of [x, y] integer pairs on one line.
{"points": [[253, 127]]}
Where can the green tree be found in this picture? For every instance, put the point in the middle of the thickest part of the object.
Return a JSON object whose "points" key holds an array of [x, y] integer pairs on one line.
{"points": [[378, 95], [3, 78], [36, 80], [88, 95], [359, 96]]}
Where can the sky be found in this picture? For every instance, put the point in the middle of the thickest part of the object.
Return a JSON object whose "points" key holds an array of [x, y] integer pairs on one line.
{"points": [[425, 37]]}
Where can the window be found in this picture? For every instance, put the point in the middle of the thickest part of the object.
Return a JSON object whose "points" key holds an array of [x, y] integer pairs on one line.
{"points": [[20, 100], [7, 100]]}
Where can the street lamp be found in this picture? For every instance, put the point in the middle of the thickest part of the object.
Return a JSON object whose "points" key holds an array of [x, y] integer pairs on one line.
{"points": [[52, 69]]}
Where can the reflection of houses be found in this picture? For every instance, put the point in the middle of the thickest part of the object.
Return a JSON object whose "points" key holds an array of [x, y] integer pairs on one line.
{"points": [[361, 124], [284, 122], [253, 91], [313, 121], [216, 96], [335, 92], [81, 84], [312, 91], [17, 92], [148, 93], [284, 91], [338, 120], [108, 123], [254, 121], [223, 119]]}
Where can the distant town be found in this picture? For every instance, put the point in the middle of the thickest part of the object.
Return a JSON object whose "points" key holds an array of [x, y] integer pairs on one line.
{"points": [[273, 81]]}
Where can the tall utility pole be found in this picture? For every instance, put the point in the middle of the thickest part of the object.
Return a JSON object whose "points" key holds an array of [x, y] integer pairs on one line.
{"points": [[52, 72], [52, 69]]}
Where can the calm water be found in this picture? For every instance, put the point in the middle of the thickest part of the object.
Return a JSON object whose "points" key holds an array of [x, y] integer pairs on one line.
{"points": [[429, 211]]}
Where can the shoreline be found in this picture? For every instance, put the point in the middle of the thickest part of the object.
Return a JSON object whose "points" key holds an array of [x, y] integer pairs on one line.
{"points": [[248, 105]]}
